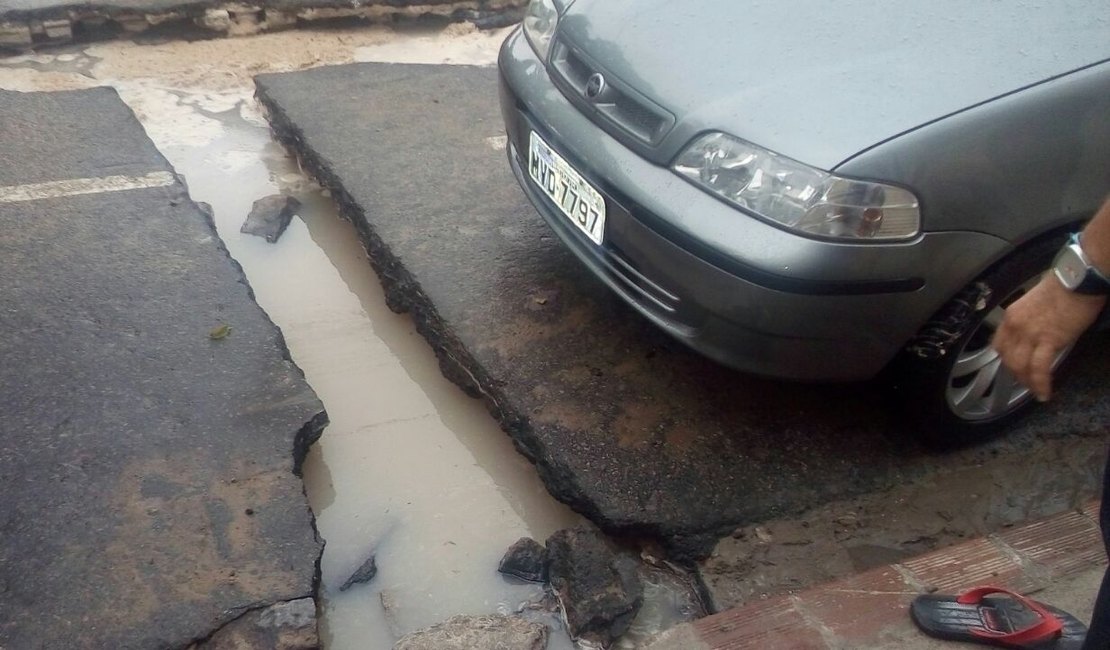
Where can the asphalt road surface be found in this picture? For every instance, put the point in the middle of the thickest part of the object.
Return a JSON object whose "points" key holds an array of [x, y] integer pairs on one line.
{"points": [[628, 427], [151, 419]]}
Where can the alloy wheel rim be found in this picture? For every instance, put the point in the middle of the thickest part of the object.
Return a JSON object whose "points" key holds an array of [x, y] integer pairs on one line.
{"points": [[979, 387]]}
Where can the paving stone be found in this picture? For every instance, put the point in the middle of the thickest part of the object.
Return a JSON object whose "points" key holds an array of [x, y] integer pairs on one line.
{"points": [[57, 30], [1091, 510], [970, 564], [680, 637], [772, 624], [1064, 544], [15, 35], [859, 609]]}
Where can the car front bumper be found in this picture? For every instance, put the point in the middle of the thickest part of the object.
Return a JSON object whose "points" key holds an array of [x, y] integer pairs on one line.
{"points": [[744, 292]]}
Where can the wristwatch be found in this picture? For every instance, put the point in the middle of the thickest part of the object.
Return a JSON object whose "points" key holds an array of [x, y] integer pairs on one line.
{"points": [[1074, 270]]}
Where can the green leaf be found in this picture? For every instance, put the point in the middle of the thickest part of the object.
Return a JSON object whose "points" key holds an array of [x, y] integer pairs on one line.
{"points": [[219, 332]]}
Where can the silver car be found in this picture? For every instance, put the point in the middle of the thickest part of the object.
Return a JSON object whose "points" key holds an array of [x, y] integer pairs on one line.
{"points": [[819, 191]]}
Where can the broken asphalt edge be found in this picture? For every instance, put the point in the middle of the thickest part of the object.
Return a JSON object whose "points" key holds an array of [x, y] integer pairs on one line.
{"points": [[311, 430], [404, 294], [305, 437], [238, 614]]}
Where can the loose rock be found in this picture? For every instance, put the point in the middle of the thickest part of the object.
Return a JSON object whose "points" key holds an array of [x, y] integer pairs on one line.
{"points": [[363, 574], [478, 633], [597, 588], [526, 559], [270, 216]]}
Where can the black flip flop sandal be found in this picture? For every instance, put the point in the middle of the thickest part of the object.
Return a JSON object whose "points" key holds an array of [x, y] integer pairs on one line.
{"points": [[1010, 621]]}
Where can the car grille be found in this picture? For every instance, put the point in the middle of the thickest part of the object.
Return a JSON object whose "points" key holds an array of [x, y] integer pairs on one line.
{"points": [[622, 109], [628, 273]]}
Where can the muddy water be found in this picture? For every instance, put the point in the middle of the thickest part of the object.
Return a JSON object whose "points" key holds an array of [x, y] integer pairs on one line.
{"points": [[410, 469]]}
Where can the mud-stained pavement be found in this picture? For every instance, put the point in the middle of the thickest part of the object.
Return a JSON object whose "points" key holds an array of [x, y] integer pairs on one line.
{"points": [[627, 427], [153, 424]]}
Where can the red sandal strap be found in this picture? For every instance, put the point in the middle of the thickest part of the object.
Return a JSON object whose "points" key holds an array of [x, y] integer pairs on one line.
{"points": [[1048, 628]]}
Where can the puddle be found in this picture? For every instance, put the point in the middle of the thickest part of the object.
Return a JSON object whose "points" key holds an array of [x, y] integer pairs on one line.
{"points": [[410, 469]]}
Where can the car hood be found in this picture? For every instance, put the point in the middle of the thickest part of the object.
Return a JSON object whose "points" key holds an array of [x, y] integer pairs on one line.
{"points": [[820, 81]]}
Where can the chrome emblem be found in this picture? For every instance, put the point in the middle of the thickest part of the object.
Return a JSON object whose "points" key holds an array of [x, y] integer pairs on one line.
{"points": [[595, 86]]}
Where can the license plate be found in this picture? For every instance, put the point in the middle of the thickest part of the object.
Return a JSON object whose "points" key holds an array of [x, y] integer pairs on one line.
{"points": [[576, 198]]}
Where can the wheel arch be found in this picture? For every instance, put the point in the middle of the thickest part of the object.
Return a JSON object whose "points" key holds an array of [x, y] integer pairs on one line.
{"points": [[953, 318]]}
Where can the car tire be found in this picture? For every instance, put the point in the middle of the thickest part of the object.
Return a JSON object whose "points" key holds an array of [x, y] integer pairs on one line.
{"points": [[948, 379]]}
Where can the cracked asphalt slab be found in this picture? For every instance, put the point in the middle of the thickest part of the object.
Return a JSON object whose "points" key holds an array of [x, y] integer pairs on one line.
{"points": [[628, 427], [148, 494]]}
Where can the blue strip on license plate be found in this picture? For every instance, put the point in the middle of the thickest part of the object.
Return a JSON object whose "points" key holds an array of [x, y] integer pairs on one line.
{"points": [[568, 190]]}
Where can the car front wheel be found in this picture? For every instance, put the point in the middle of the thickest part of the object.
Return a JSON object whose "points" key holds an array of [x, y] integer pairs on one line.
{"points": [[949, 379]]}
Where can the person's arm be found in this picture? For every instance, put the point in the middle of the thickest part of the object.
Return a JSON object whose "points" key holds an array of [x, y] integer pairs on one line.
{"points": [[1049, 318]]}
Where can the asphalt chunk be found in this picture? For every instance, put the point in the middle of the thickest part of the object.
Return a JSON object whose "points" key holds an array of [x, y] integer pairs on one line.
{"points": [[625, 425], [148, 494]]}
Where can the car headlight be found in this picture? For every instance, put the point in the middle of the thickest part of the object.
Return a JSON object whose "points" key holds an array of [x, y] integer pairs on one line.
{"points": [[795, 195], [539, 22]]}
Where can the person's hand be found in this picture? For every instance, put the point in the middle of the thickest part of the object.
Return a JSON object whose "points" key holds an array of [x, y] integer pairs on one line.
{"points": [[1038, 327]]}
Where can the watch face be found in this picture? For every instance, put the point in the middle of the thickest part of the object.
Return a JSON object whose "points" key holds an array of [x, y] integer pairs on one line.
{"points": [[1076, 274], [1069, 268]]}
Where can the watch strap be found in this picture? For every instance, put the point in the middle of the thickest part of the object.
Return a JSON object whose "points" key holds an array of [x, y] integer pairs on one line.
{"points": [[1094, 283]]}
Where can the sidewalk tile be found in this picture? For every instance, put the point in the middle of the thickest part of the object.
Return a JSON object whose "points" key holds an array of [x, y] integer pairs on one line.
{"points": [[858, 609], [1064, 544], [1091, 510], [772, 624], [970, 564]]}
